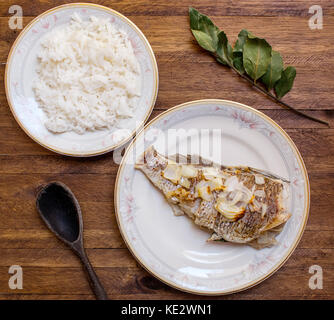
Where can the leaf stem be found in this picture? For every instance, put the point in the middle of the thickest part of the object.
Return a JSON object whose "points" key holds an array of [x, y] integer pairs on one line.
{"points": [[276, 99]]}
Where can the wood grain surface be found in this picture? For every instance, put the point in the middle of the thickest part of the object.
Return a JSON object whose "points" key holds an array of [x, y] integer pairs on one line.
{"points": [[186, 73]]}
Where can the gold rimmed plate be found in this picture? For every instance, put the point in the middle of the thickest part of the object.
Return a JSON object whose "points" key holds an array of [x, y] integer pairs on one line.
{"points": [[21, 72], [171, 247]]}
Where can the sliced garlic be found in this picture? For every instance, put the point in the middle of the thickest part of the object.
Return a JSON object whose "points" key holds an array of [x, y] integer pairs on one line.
{"points": [[172, 172], [259, 179], [189, 171], [203, 190], [205, 193], [184, 182], [231, 183], [210, 173]]}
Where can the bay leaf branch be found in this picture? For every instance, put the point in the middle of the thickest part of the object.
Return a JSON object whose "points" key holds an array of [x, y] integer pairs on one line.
{"points": [[301, 113], [252, 58]]}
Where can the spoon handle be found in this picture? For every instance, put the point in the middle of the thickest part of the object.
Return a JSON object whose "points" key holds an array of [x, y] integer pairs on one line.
{"points": [[94, 281]]}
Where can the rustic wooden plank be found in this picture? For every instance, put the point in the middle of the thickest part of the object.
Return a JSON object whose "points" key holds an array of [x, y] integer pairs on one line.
{"points": [[310, 142], [212, 81], [121, 258], [21, 212], [105, 164], [18, 162], [163, 296], [179, 54], [98, 187], [320, 162], [64, 281], [109, 239], [22, 215], [285, 118], [63, 257], [42, 238], [47, 262], [56, 163], [298, 8], [88, 187], [18, 296], [178, 38]]}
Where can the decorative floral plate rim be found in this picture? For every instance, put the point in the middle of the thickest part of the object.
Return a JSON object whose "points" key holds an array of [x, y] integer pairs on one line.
{"points": [[246, 117]]}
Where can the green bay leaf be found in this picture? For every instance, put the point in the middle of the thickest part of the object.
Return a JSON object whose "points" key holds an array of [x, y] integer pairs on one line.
{"points": [[224, 50], [194, 18], [242, 37], [238, 62], [285, 83], [201, 22], [274, 70], [204, 40], [238, 49], [207, 26], [256, 56]]}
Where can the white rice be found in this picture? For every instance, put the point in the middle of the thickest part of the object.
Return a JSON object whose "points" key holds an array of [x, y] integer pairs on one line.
{"points": [[88, 77]]}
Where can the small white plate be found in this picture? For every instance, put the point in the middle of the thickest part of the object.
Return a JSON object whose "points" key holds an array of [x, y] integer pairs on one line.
{"points": [[20, 73], [175, 250]]}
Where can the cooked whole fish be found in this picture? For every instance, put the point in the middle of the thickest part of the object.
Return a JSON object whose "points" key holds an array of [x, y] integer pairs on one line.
{"points": [[235, 204]]}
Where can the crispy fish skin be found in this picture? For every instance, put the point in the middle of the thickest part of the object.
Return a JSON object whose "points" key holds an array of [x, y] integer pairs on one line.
{"points": [[255, 226]]}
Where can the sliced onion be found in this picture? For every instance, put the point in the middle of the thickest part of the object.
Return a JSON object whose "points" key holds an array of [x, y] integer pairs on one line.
{"points": [[246, 192], [230, 212], [237, 197]]}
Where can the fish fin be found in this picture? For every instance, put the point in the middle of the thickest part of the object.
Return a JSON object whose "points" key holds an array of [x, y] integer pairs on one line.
{"points": [[141, 159], [178, 158], [265, 240], [215, 237], [268, 174], [278, 220], [176, 209], [199, 160], [193, 160]]}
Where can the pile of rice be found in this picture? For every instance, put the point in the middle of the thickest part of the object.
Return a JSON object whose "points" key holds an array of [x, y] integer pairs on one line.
{"points": [[88, 76]]}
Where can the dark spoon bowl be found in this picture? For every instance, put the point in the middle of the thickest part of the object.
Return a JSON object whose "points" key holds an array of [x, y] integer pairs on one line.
{"points": [[60, 210]]}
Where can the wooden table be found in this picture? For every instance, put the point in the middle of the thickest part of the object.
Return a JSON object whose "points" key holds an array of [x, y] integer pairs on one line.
{"points": [[50, 271]]}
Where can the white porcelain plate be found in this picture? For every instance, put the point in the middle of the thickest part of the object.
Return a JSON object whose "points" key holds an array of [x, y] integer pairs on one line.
{"points": [[20, 73], [171, 247]]}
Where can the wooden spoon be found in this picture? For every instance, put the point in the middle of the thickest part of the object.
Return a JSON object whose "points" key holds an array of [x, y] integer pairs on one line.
{"points": [[61, 212]]}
